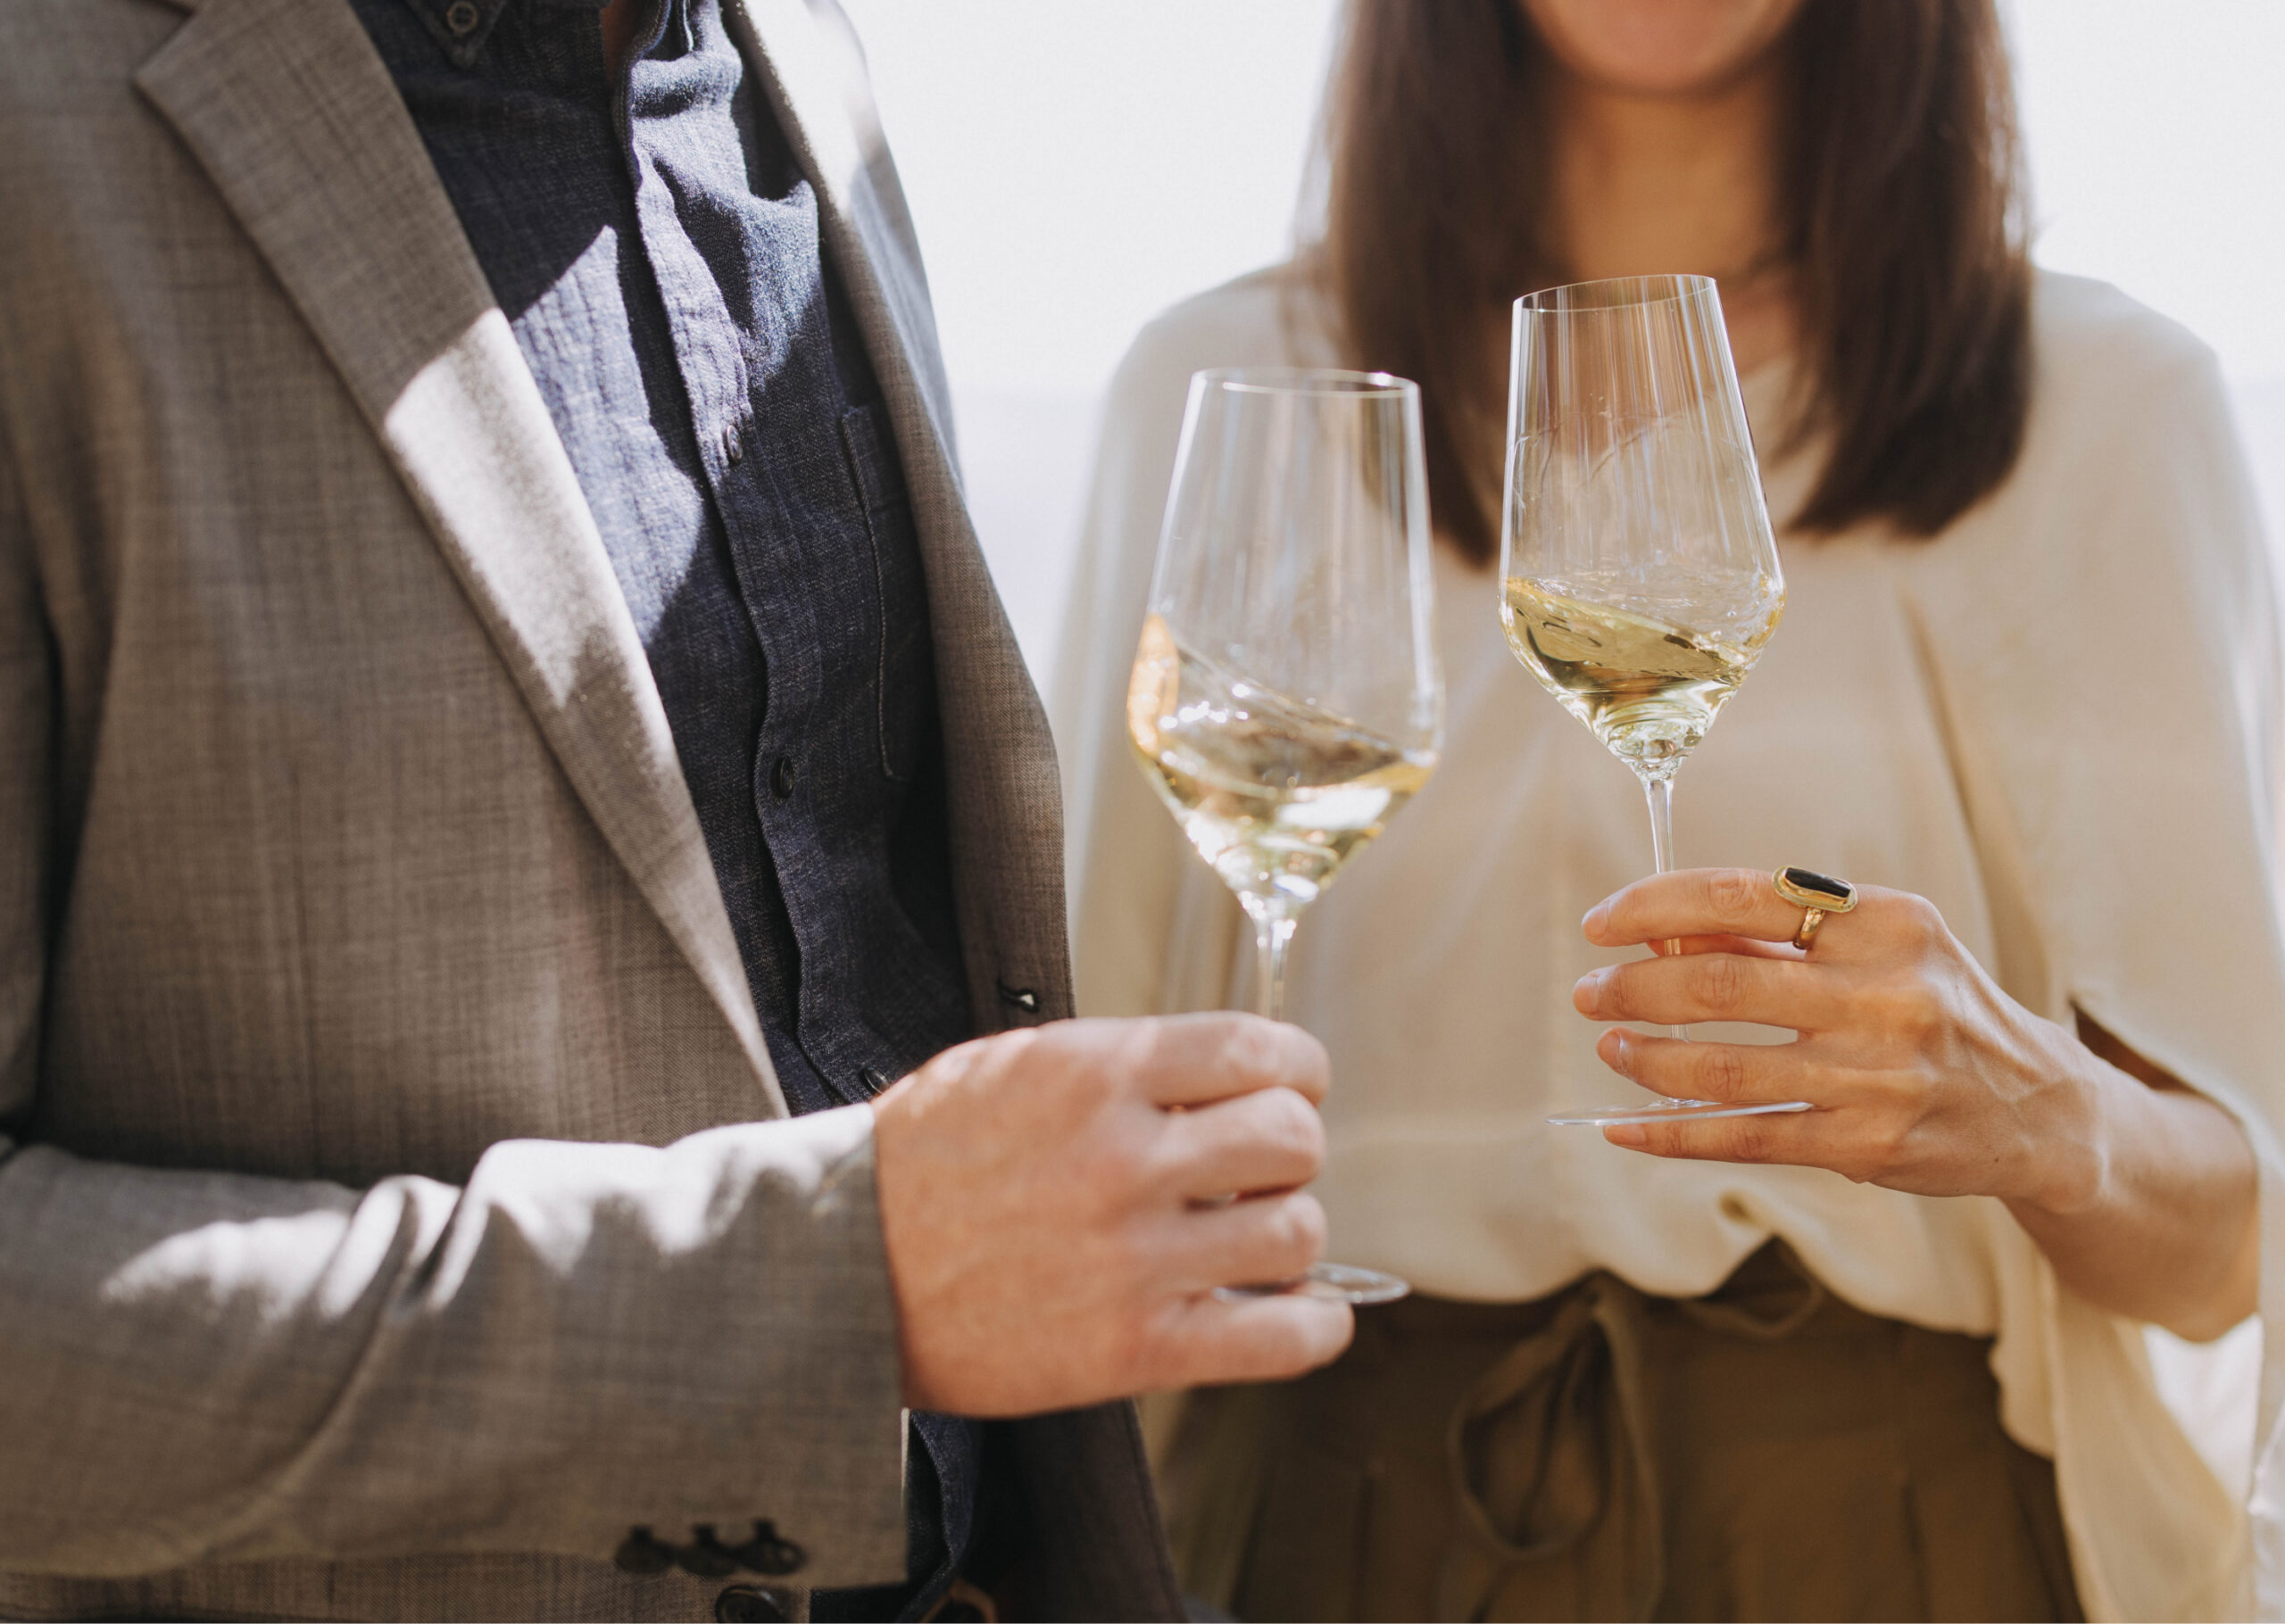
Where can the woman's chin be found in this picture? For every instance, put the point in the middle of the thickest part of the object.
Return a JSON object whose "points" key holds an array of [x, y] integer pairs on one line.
{"points": [[1659, 47]]}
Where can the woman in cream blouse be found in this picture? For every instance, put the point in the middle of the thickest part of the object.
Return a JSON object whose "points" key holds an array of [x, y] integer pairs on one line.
{"points": [[2025, 695]]}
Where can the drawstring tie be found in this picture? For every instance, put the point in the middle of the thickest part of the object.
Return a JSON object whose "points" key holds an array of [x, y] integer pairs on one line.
{"points": [[1549, 1451]]}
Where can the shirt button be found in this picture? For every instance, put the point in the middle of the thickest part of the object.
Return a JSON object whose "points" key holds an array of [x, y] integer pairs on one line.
{"points": [[749, 1604], [734, 446], [461, 16], [874, 1078], [781, 777]]}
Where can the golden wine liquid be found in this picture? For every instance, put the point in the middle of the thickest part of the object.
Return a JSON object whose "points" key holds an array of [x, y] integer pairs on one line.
{"points": [[1648, 689], [1275, 794]]}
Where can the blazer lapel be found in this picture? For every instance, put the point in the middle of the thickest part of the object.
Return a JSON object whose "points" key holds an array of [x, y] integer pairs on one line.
{"points": [[1005, 793], [293, 116], [826, 113]]}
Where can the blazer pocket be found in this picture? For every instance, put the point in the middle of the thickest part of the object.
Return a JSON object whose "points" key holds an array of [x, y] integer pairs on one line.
{"points": [[904, 685]]}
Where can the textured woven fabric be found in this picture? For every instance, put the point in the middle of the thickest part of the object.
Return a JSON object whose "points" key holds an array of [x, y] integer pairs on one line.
{"points": [[391, 1212], [1763, 1452], [656, 251]]}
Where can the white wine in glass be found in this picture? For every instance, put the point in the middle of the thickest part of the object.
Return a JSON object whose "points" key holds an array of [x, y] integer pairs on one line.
{"points": [[1639, 573], [1286, 701], [1275, 793]]}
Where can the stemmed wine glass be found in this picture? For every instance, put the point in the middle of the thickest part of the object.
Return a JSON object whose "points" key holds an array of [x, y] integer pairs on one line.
{"points": [[1286, 698], [1639, 575]]}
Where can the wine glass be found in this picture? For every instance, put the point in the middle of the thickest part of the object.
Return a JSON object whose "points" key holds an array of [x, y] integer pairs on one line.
{"points": [[1286, 700], [1639, 575]]}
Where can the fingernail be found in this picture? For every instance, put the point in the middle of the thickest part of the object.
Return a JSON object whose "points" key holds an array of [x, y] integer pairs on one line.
{"points": [[1621, 1050], [1589, 992], [1597, 917], [1627, 1134]]}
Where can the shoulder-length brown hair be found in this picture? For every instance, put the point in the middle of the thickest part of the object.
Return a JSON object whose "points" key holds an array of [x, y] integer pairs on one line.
{"points": [[1903, 224]]}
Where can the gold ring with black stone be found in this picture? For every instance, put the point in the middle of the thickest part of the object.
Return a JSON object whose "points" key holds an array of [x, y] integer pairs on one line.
{"points": [[1819, 894]]}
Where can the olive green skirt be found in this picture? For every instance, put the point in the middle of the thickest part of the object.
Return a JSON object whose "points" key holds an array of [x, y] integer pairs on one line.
{"points": [[1767, 1452]]}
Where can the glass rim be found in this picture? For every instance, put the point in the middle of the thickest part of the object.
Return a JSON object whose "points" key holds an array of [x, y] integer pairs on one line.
{"points": [[1305, 380], [1663, 287]]}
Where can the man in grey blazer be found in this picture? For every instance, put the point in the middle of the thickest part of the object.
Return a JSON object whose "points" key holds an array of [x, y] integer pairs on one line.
{"points": [[400, 1210]]}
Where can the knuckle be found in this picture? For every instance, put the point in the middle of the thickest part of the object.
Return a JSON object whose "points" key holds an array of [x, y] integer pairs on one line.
{"points": [[1164, 1162], [1288, 1238], [1916, 1015], [1721, 1072], [1874, 1148], [1253, 1047], [1892, 1134], [1749, 1140], [1109, 1177], [1721, 981], [1099, 1085], [1176, 1039], [1891, 1010], [1094, 1065], [1918, 919], [1296, 1126], [1304, 1227], [1310, 1063], [1733, 895], [1288, 1056], [1131, 1256]]}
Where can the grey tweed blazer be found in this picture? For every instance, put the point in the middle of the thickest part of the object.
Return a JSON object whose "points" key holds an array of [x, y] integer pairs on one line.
{"points": [[396, 1204]]}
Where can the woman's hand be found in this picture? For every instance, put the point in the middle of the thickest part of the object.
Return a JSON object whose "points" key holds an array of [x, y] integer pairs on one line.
{"points": [[1925, 1077]]}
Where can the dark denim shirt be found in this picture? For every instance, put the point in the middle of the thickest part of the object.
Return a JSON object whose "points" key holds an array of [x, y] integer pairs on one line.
{"points": [[656, 248]]}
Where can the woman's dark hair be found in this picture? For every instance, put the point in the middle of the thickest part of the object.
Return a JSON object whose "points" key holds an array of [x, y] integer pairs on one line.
{"points": [[1903, 227]]}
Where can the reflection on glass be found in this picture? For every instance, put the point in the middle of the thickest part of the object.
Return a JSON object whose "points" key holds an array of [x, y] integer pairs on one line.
{"points": [[1285, 701], [1639, 575]]}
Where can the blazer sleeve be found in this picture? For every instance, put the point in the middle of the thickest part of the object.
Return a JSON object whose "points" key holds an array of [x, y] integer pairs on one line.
{"points": [[583, 1338]]}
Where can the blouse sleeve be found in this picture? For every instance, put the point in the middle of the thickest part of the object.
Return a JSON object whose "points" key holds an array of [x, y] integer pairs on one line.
{"points": [[2108, 650]]}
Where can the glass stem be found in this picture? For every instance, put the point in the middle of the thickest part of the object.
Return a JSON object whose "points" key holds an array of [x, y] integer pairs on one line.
{"points": [[1271, 932], [1660, 793]]}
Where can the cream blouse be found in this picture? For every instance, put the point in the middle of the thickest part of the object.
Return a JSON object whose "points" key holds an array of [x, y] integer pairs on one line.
{"points": [[2058, 721]]}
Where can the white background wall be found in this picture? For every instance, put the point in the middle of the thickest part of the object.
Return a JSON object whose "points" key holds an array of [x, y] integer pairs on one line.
{"points": [[1075, 166]]}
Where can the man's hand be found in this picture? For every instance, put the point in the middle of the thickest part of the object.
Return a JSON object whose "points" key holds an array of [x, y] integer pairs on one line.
{"points": [[1049, 1203]]}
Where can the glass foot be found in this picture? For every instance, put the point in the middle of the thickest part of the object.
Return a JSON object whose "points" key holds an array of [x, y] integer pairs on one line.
{"points": [[1334, 1282], [1670, 1110]]}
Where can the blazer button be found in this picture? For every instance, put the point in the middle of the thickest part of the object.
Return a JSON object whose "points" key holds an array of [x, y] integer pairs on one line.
{"points": [[641, 1553], [750, 1604], [781, 777], [767, 1553], [705, 1556]]}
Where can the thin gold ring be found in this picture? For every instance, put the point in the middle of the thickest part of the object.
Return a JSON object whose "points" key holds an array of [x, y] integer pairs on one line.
{"points": [[1816, 895]]}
